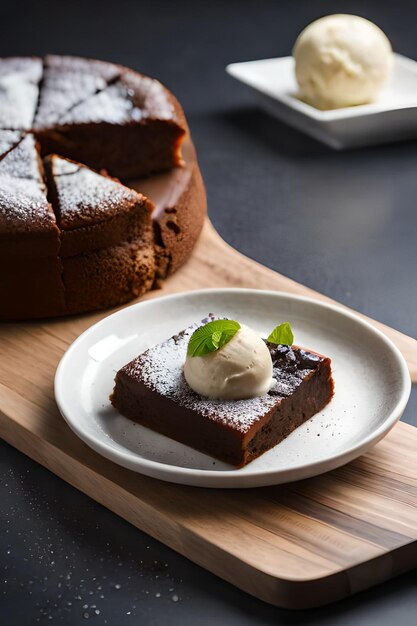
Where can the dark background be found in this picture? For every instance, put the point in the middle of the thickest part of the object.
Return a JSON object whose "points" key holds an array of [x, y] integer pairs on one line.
{"points": [[342, 223]]}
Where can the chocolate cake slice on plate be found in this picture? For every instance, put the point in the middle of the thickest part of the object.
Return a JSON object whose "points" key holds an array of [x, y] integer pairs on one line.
{"points": [[152, 391]]}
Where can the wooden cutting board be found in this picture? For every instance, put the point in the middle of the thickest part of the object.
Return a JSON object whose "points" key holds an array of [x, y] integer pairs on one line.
{"points": [[294, 546]]}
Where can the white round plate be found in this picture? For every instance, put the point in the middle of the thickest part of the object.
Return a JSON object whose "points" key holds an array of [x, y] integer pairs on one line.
{"points": [[372, 386]]}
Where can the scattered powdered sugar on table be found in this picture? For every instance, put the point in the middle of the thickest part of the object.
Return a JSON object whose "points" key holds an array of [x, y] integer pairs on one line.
{"points": [[61, 564]]}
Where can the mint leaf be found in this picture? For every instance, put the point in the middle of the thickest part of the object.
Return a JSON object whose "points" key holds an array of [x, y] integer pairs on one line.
{"points": [[212, 337], [216, 338], [282, 334]]}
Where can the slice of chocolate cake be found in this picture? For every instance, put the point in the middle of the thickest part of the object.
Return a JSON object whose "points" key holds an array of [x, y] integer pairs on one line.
{"points": [[23, 162], [95, 211], [152, 390], [107, 241], [140, 119], [27, 221], [19, 91], [68, 81]]}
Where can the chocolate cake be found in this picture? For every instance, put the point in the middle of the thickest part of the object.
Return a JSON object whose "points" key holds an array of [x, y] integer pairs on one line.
{"points": [[152, 391], [73, 239]]}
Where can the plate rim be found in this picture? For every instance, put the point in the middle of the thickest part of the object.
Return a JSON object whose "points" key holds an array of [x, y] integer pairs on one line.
{"points": [[232, 478]]}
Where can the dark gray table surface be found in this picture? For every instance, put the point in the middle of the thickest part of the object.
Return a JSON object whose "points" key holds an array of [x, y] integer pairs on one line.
{"points": [[342, 223]]}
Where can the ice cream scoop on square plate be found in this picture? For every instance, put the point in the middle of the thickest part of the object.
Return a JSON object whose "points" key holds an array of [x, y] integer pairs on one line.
{"points": [[343, 85]]}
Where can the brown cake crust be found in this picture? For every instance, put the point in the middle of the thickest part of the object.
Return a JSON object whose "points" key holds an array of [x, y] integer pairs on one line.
{"points": [[179, 198], [108, 277]]}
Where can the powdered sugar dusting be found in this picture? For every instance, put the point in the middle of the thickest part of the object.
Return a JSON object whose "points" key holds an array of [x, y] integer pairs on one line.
{"points": [[67, 82], [8, 139], [60, 93], [131, 99], [84, 195], [19, 78], [23, 206], [112, 105], [149, 95], [28, 68], [18, 100], [161, 368], [80, 65], [22, 161]]}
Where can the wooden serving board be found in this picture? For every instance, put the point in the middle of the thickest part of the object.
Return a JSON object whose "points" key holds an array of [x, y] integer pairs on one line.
{"points": [[294, 546]]}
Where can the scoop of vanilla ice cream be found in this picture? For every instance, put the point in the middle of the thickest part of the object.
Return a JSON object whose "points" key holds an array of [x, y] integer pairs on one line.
{"points": [[240, 369], [341, 60]]}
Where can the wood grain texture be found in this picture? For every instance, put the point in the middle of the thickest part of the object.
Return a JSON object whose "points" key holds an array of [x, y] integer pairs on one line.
{"points": [[295, 546]]}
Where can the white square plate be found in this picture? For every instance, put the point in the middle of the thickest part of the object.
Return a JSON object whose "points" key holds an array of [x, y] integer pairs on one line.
{"points": [[392, 117]]}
